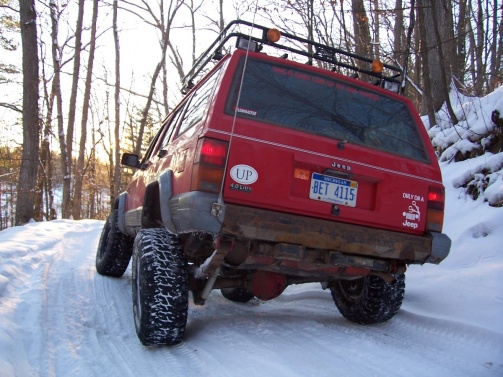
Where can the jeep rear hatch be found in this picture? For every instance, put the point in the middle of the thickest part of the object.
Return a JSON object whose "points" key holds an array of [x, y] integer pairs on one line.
{"points": [[318, 144]]}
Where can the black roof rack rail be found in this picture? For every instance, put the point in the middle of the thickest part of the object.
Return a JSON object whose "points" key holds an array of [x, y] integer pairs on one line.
{"points": [[321, 52]]}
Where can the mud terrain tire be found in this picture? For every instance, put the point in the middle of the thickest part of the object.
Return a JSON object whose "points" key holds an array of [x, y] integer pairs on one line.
{"points": [[160, 288], [237, 294], [370, 299], [114, 249]]}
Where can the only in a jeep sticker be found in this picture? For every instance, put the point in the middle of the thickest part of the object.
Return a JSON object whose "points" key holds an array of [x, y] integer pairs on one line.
{"points": [[412, 216]]}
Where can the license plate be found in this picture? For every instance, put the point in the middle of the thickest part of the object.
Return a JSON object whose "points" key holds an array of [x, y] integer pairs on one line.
{"points": [[333, 190]]}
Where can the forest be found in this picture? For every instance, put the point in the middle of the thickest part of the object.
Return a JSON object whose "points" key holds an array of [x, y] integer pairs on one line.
{"points": [[82, 82]]}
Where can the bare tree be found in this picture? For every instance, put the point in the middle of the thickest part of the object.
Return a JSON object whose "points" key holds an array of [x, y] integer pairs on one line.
{"points": [[45, 194], [56, 65], [67, 205], [398, 32], [361, 29], [163, 22], [376, 29], [438, 53], [117, 104], [496, 70], [427, 103], [80, 171], [485, 39], [463, 24], [175, 57], [29, 165], [444, 57]]}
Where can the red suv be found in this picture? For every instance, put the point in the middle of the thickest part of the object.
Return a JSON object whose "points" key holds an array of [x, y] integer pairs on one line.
{"points": [[273, 172]]}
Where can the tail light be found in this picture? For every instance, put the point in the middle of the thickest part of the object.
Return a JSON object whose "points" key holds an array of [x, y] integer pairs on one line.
{"points": [[209, 165], [435, 209]]}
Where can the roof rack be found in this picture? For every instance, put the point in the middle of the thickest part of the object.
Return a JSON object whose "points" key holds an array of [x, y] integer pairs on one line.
{"points": [[321, 53]]}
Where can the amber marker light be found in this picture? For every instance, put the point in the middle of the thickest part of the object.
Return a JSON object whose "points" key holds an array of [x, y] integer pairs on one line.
{"points": [[377, 66], [273, 35], [301, 174]]}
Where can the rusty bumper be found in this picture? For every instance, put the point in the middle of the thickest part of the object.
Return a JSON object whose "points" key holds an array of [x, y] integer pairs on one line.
{"points": [[324, 235]]}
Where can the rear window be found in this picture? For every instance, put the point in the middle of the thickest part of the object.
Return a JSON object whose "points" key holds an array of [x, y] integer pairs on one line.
{"points": [[324, 106]]}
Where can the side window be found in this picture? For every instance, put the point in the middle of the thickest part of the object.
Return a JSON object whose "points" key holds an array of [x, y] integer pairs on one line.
{"points": [[163, 137], [152, 146], [197, 105], [170, 127]]}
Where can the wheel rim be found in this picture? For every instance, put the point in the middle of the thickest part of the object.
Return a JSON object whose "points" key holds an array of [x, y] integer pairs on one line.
{"points": [[352, 289]]}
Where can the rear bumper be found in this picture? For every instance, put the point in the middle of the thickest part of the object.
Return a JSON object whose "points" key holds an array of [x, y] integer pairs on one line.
{"points": [[275, 232], [281, 228]]}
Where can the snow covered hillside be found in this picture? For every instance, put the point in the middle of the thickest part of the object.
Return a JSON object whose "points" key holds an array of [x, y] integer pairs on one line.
{"points": [[58, 317]]}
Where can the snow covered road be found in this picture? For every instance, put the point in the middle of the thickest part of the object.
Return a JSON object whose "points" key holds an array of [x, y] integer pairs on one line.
{"points": [[58, 317]]}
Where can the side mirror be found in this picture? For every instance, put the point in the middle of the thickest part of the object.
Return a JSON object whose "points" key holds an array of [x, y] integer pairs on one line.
{"points": [[131, 160]]}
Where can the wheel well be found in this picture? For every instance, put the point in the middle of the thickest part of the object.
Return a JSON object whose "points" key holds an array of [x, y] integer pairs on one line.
{"points": [[151, 214]]}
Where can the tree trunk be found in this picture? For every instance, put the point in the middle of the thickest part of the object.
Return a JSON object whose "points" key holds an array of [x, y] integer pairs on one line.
{"points": [[398, 32], [117, 105], [79, 171], [67, 208], [496, 70], [347, 42], [310, 24], [377, 27], [361, 31], [440, 48], [479, 51], [93, 184], [166, 29], [65, 158], [427, 103], [29, 164], [462, 30], [444, 58], [44, 182]]}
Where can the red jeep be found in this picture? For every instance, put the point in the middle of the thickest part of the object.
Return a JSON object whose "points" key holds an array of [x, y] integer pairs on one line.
{"points": [[273, 172]]}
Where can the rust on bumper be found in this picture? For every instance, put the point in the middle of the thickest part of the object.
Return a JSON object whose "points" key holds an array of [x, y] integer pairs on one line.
{"points": [[267, 226]]}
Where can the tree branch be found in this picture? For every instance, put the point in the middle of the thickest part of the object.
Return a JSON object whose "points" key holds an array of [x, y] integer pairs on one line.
{"points": [[11, 107]]}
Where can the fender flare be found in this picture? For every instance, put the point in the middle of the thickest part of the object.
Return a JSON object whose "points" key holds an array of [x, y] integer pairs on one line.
{"points": [[121, 205], [165, 181]]}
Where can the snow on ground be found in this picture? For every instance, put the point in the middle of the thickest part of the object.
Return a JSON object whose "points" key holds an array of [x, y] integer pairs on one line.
{"points": [[58, 317]]}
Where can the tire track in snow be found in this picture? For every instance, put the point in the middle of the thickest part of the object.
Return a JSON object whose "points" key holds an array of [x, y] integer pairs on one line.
{"points": [[84, 327], [65, 309], [116, 339]]}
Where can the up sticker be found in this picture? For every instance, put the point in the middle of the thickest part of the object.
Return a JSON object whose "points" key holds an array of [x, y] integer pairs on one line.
{"points": [[244, 174]]}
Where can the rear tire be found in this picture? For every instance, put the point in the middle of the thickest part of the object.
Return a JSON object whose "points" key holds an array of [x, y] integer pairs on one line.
{"points": [[114, 250], [160, 288], [370, 299], [237, 294]]}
